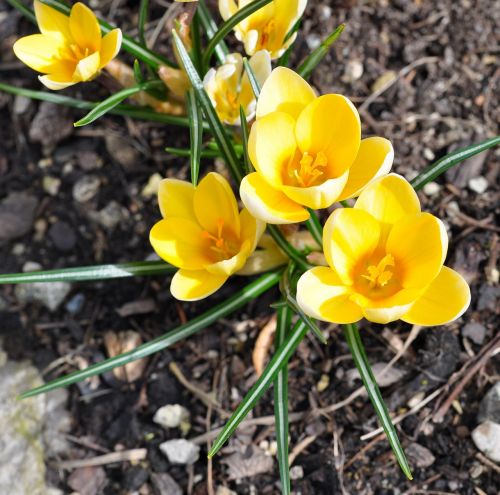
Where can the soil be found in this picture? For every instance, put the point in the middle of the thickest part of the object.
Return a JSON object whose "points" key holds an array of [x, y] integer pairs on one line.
{"points": [[445, 57]]}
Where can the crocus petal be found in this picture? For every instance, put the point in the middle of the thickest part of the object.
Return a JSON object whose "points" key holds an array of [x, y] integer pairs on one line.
{"points": [[389, 199], [260, 63], [330, 124], [175, 198], [214, 201], [110, 46], [284, 91], [227, 8], [251, 228], [389, 308], [84, 27], [192, 285], [271, 145], [231, 265], [87, 67], [320, 196], [180, 242], [446, 299], [40, 52], [321, 295], [374, 159], [56, 82], [51, 21], [286, 14], [268, 204], [418, 244], [349, 236]]}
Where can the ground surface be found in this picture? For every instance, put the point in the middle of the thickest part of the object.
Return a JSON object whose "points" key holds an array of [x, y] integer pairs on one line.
{"points": [[445, 55]]}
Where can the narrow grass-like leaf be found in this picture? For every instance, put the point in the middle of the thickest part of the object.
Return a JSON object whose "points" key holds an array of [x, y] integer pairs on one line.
{"points": [[143, 17], [196, 135], [138, 77], [314, 226], [187, 153], [281, 401], [220, 135], [252, 78], [153, 59], [23, 9], [288, 290], [227, 27], [141, 113], [361, 360], [87, 273], [210, 27], [238, 300], [196, 49], [450, 160], [285, 246], [281, 356], [112, 101], [244, 136], [309, 64]]}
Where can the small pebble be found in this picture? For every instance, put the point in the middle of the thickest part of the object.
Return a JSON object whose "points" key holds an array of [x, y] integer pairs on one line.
{"points": [[75, 304], [171, 416], [478, 184], [431, 188], [419, 455], [353, 71], [180, 451], [51, 185], [296, 472], [486, 437], [429, 154], [489, 409], [151, 188], [86, 188], [62, 235], [475, 332]]}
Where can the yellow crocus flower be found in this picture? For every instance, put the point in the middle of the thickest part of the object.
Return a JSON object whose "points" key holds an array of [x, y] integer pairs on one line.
{"points": [[307, 151], [70, 49], [267, 28], [229, 86], [203, 233], [385, 262]]}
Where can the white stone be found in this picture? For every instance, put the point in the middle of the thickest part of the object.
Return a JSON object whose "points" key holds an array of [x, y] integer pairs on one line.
{"points": [[86, 188], [50, 294], [487, 439], [180, 451], [431, 188], [171, 416], [51, 185], [353, 71], [478, 184]]}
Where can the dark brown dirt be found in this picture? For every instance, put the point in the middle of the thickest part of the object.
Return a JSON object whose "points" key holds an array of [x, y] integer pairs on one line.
{"points": [[445, 55]]}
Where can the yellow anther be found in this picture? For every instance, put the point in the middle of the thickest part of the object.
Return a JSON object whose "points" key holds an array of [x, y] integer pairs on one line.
{"points": [[379, 275], [307, 173]]}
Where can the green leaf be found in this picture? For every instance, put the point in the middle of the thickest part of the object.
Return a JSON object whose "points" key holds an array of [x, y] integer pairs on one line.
{"points": [[23, 9], [288, 291], [281, 401], [135, 112], [143, 17], [285, 246], [450, 160], [210, 27], [315, 228], [196, 135], [309, 64], [139, 79], [252, 78], [281, 356], [238, 300], [244, 136], [361, 360], [94, 272], [187, 153], [112, 101], [196, 50], [227, 27], [214, 122], [153, 59]]}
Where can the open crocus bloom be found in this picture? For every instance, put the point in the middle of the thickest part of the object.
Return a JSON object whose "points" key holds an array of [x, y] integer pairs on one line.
{"points": [[385, 262], [268, 27], [307, 151], [70, 49], [229, 86], [202, 233]]}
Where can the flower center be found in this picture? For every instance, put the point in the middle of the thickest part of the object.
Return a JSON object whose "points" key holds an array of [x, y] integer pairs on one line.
{"points": [[267, 35], [222, 247], [380, 274], [78, 52], [308, 170]]}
